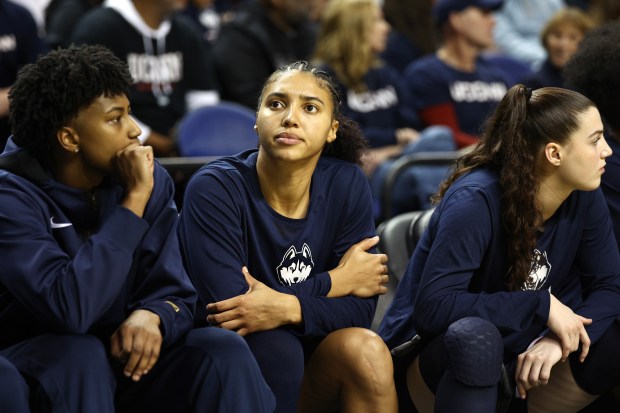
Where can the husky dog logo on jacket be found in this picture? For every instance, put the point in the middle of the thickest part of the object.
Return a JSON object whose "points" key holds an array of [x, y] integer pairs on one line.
{"points": [[296, 266], [539, 271]]}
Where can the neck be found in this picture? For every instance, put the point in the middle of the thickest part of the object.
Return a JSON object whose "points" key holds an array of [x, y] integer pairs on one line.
{"points": [[71, 172], [286, 188], [279, 21], [551, 194], [152, 16], [459, 55]]}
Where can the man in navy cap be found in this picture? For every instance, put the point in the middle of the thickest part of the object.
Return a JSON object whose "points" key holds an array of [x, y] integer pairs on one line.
{"points": [[456, 86]]}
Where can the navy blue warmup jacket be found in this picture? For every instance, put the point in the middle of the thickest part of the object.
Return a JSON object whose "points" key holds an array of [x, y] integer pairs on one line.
{"points": [[79, 262]]}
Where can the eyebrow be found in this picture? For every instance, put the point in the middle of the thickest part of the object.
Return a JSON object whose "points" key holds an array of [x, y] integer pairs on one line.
{"points": [[595, 133], [115, 108], [303, 97]]}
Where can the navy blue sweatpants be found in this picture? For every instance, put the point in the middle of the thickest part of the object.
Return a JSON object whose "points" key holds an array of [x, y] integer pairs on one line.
{"points": [[13, 389], [212, 371], [281, 356]]}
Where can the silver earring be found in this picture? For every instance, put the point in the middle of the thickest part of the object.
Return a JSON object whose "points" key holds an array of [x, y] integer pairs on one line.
{"points": [[76, 150]]}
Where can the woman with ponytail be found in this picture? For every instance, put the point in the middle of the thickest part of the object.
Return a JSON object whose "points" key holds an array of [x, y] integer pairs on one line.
{"points": [[279, 242], [518, 269]]}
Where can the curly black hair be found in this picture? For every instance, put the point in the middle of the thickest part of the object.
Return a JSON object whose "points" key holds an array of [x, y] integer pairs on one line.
{"points": [[350, 144], [594, 71], [49, 93]]}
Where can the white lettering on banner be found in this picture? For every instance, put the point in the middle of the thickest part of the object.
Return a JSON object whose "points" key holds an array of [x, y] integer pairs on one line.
{"points": [[477, 91], [372, 100], [8, 43], [167, 68]]}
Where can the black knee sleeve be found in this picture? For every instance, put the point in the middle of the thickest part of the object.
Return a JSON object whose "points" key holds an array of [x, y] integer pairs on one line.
{"points": [[475, 350]]}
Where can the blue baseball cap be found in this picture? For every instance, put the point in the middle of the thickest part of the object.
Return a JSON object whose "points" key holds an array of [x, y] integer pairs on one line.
{"points": [[443, 8]]}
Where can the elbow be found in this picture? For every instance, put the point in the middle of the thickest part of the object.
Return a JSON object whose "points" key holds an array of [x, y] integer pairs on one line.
{"points": [[431, 317]]}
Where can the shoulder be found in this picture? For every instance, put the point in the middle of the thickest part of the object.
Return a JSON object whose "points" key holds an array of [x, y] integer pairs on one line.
{"points": [[476, 187], [340, 175], [424, 64], [228, 169], [185, 26], [15, 10], [101, 22], [428, 72], [101, 13]]}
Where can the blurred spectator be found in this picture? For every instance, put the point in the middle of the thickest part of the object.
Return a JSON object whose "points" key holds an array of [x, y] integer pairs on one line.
{"points": [[519, 23], [206, 17], [37, 10], [167, 57], [352, 35], [316, 9], [262, 36], [581, 4], [593, 71], [560, 37], [457, 86], [20, 44], [603, 11], [413, 31], [61, 17]]}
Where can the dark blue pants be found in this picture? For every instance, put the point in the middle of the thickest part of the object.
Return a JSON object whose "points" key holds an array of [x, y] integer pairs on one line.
{"points": [[281, 356], [13, 389], [212, 371]]}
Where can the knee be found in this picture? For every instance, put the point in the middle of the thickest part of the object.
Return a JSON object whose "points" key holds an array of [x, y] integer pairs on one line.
{"points": [[218, 344], [12, 384], [278, 347], [366, 355], [475, 349], [84, 352]]}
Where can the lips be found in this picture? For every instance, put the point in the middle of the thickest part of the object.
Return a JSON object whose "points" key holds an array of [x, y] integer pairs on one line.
{"points": [[288, 138]]}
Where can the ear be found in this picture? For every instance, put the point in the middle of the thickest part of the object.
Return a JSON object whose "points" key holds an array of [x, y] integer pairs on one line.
{"points": [[68, 139], [454, 18], [256, 128], [553, 153], [331, 136]]}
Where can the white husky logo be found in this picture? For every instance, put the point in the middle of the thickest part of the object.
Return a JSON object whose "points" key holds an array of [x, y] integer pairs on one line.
{"points": [[539, 271], [295, 266]]}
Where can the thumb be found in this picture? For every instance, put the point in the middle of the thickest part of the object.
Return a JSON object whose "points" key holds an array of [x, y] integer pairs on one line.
{"points": [[368, 243], [248, 278]]}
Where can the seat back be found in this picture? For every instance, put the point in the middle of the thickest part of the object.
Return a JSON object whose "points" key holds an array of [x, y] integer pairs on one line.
{"points": [[424, 171], [393, 235], [219, 130], [393, 242], [417, 228]]}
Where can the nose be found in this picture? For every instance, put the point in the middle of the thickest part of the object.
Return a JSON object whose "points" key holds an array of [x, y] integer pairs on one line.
{"points": [[607, 151], [290, 117], [134, 130]]}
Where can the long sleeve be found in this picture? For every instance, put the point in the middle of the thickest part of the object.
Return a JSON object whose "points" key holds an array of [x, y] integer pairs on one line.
{"points": [[162, 285], [63, 282], [223, 228], [460, 240], [598, 265], [66, 292]]}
